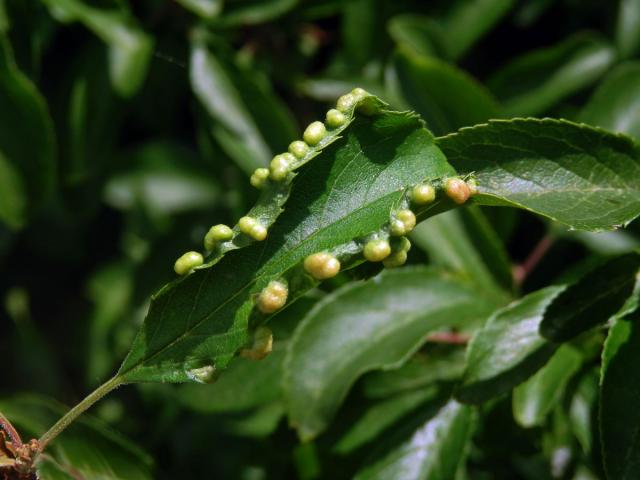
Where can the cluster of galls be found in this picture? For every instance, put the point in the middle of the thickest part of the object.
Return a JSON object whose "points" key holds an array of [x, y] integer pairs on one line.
{"points": [[278, 171], [323, 265]]}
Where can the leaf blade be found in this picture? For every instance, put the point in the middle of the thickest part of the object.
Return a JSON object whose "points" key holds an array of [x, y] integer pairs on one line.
{"points": [[363, 327], [547, 167], [618, 392]]}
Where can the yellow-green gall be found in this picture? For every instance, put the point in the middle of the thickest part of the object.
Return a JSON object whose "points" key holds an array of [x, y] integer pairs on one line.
{"points": [[403, 223], [259, 177], [280, 166], [272, 297], [377, 250], [345, 102], [457, 190], [187, 262], [359, 93], [473, 186], [314, 133], [423, 194], [335, 118], [262, 344], [217, 233], [396, 259], [322, 265], [250, 226], [404, 244], [298, 149]]}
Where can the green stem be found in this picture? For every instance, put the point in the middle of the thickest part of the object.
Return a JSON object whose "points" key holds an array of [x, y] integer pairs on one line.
{"points": [[78, 410]]}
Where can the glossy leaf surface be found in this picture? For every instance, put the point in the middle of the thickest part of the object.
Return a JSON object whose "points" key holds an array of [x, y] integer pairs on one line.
{"points": [[508, 349], [583, 177], [367, 326], [345, 193], [433, 451]]}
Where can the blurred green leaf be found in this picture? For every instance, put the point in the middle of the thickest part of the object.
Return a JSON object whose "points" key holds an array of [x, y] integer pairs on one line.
{"points": [[417, 33], [433, 451], [447, 98], [258, 423], [110, 289], [463, 241], [547, 167], [130, 49], [251, 12], [619, 394], [508, 349], [368, 326], [162, 178], [628, 28], [419, 371], [615, 105], [250, 122], [4, 19], [361, 24], [581, 410], [469, 20], [13, 205], [207, 9], [380, 416], [332, 205], [27, 149], [536, 81], [606, 243], [592, 300], [244, 385], [88, 448], [534, 399]]}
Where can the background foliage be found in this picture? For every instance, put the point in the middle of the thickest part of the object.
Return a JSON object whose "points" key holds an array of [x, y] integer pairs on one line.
{"points": [[127, 129]]}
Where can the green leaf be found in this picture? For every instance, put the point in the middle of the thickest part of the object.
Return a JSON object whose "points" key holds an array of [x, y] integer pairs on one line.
{"points": [[615, 105], [508, 349], [418, 33], [469, 20], [592, 300], [536, 81], [619, 396], [130, 49], [160, 180], [87, 449], [250, 123], [584, 177], [27, 149], [534, 399], [245, 384], [433, 451], [336, 202], [13, 204], [367, 326], [206, 9], [463, 241], [446, 97], [361, 24], [4, 19], [583, 405], [606, 243], [380, 416], [251, 12], [419, 371], [628, 28]]}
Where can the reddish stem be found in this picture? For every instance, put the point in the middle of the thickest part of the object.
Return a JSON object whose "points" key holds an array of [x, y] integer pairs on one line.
{"points": [[450, 338], [522, 271]]}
